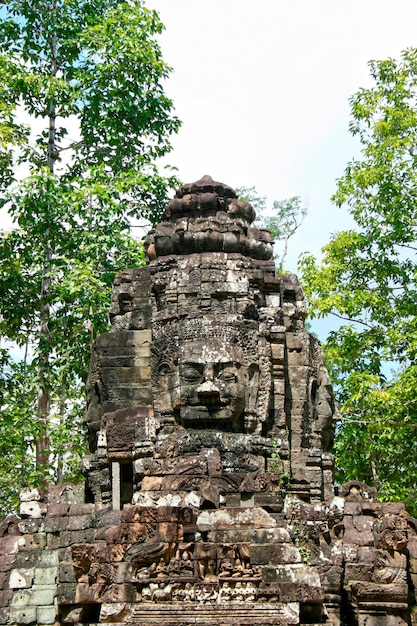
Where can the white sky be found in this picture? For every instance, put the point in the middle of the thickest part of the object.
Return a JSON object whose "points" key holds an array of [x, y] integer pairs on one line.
{"points": [[262, 88]]}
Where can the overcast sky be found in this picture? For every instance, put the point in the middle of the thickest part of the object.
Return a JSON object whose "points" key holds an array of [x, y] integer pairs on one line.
{"points": [[262, 88]]}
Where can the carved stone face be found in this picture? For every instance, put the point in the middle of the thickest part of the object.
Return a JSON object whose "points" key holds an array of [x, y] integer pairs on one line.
{"points": [[211, 390]]}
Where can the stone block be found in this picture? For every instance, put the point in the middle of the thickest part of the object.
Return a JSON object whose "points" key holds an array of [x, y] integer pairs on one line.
{"points": [[297, 358], [5, 597], [331, 579], [79, 522], [55, 524], [42, 596], [372, 592], [278, 352], [66, 573], [232, 500], [363, 523], [261, 535], [66, 493], [32, 542], [30, 495], [46, 575], [37, 596], [31, 526], [169, 531], [58, 509], [23, 615], [21, 598], [297, 573], [33, 509], [152, 483], [358, 571], [353, 508], [230, 518], [69, 538], [358, 538], [294, 342], [21, 578], [123, 573], [66, 593], [6, 561], [368, 554], [145, 373], [300, 592], [82, 509], [125, 592], [274, 554], [48, 558], [350, 553], [107, 517], [46, 614], [113, 612]]}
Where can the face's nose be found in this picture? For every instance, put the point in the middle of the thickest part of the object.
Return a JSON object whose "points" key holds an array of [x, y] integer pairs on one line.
{"points": [[208, 390]]}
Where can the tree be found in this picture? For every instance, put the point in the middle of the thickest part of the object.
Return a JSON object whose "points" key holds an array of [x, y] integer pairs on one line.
{"points": [[88, 75], [283, 220], [367, 279]]}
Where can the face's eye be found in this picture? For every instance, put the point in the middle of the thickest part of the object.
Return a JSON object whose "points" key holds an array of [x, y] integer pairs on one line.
{"points": [[228, 375], [191, 374]]}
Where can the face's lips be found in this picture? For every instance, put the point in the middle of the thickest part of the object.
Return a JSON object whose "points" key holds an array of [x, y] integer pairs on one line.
{"points": [[198, 411], [211, 403]]}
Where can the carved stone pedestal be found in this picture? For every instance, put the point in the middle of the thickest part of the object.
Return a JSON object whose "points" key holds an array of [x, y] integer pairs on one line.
{"points": [[227, 614]]}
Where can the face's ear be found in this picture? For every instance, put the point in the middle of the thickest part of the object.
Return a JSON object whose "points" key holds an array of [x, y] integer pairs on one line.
{"points": [[166, 389], [252, 423], [252, 387]]}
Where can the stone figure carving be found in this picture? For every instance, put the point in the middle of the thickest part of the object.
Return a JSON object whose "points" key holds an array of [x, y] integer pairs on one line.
{"points": [[212, 381]]}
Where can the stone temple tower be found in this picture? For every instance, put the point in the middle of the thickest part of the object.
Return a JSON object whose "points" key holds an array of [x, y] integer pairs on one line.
{"points": [[209, 495], [208, 353]]}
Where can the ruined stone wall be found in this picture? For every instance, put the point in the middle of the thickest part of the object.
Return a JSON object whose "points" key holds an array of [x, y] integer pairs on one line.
{"points": [[347, 561]]}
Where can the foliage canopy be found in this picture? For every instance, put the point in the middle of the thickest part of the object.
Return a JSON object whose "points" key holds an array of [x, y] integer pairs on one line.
{"points": [[83, 118], [367, 279], [283, 219]]}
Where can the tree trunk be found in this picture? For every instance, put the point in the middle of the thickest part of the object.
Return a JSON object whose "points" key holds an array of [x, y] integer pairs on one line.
{"points": [[60, 459], [43, 399]]}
